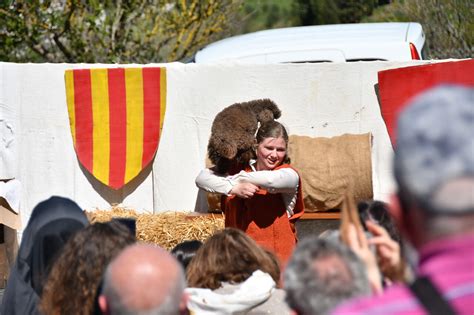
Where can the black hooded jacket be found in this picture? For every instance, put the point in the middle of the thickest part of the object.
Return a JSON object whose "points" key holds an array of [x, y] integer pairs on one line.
{"points": [[51, 224]]}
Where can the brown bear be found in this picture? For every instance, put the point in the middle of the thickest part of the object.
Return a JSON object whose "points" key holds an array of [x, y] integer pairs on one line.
{"points": [[233, 131]]}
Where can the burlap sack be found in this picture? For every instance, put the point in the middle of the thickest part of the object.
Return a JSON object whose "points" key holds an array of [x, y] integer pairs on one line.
{"points": [[329, 166]]}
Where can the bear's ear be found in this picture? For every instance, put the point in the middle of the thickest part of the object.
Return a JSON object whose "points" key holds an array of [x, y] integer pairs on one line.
{"points": [[265, 116], [223, 148]]}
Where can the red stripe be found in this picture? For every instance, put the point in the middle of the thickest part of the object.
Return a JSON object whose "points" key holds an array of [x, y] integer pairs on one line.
{"points": [[118, 127], [83, 111], [151, 123]]}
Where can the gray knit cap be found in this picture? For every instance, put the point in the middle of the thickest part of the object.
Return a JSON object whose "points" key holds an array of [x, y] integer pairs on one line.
{"points": [[435, 144]]}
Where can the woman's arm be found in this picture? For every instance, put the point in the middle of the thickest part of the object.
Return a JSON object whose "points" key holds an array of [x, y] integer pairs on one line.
{"points": [[226, 185], [211, 182], [284, 180]]}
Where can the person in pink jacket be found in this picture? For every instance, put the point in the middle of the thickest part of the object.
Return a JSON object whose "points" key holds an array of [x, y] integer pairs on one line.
{"points": [[434, 206]]}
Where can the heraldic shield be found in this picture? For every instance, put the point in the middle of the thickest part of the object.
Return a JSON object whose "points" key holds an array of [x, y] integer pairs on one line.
{"points": [[116, 116]]}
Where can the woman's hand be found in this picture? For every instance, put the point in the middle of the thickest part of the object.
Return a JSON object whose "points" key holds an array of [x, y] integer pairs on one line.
{"points": [[359, 244], [388, 251], [244, 190]]}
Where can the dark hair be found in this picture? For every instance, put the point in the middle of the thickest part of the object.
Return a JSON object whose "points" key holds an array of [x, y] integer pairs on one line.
{"points": [[229, 256], [378, 211], [130, 223], [72, 285], [185, 251], [273, 129]]}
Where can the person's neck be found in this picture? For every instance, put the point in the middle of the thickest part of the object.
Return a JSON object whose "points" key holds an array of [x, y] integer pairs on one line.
{"points": [[434, 228], [258, 167]]}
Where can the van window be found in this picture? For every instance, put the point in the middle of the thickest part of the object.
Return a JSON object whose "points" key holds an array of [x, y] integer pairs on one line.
{"points": [[366, 59], [308, 61]]}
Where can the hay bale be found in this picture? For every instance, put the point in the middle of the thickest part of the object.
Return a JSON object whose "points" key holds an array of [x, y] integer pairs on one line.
{"points": [[166, 229], [98, 215]]}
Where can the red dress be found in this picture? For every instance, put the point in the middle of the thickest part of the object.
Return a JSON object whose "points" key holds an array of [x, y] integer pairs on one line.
{"points": [[264, 218]]}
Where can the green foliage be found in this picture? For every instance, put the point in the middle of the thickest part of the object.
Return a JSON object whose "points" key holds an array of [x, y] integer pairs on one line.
{"points": [[448, 24], [121, 31], [352, 11], [316, 12], [265, 14], [128, 31]]}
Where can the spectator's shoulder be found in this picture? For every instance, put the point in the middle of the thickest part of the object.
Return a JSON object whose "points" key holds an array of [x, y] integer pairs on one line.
{"points": [[395, 300]]}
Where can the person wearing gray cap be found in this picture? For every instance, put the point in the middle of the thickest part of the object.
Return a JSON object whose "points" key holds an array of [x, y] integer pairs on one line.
{"points": [[434, 205]]}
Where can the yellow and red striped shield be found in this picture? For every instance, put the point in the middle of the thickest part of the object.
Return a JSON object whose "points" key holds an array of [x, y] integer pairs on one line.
{"points": [[116, 116]]}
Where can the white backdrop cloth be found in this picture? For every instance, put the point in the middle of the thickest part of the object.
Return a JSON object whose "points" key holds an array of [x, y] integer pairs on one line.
{"points": [[316, 100]]}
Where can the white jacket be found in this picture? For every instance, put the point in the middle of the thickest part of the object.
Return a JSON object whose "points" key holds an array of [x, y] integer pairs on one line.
{"points": [[248, 296]]}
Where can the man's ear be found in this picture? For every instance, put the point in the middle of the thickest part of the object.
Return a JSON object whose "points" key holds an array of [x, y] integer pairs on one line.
{"points": [[104, 306], [395, 210], [401, 216], [183, 305]]}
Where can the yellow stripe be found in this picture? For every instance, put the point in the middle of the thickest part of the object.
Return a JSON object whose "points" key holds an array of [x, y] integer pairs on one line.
{"points": [[162, 96], [101, 125], [69, 78], [134, 92]]}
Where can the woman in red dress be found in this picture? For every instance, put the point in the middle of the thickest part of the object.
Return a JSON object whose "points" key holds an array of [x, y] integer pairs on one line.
{"points": [[264, 200]]}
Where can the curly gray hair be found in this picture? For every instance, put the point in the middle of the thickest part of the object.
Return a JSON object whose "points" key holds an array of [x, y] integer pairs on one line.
{"points": [[321, 274]]}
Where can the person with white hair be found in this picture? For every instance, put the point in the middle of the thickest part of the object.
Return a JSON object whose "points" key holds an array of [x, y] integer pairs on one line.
{"points": [[434, 205]]}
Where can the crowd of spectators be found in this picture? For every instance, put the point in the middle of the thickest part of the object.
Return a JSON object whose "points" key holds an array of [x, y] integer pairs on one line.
{"points": [[414, 255]]}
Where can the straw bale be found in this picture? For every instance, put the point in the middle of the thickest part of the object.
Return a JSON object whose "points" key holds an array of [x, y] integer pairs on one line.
{"points": [[166, 229], [98, 215]]}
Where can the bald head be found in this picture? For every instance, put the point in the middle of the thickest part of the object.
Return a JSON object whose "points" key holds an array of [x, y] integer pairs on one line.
{"points": [[143, 279]]}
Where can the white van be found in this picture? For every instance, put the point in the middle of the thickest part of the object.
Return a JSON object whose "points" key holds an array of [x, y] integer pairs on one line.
{"points": [[320, 43]]}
